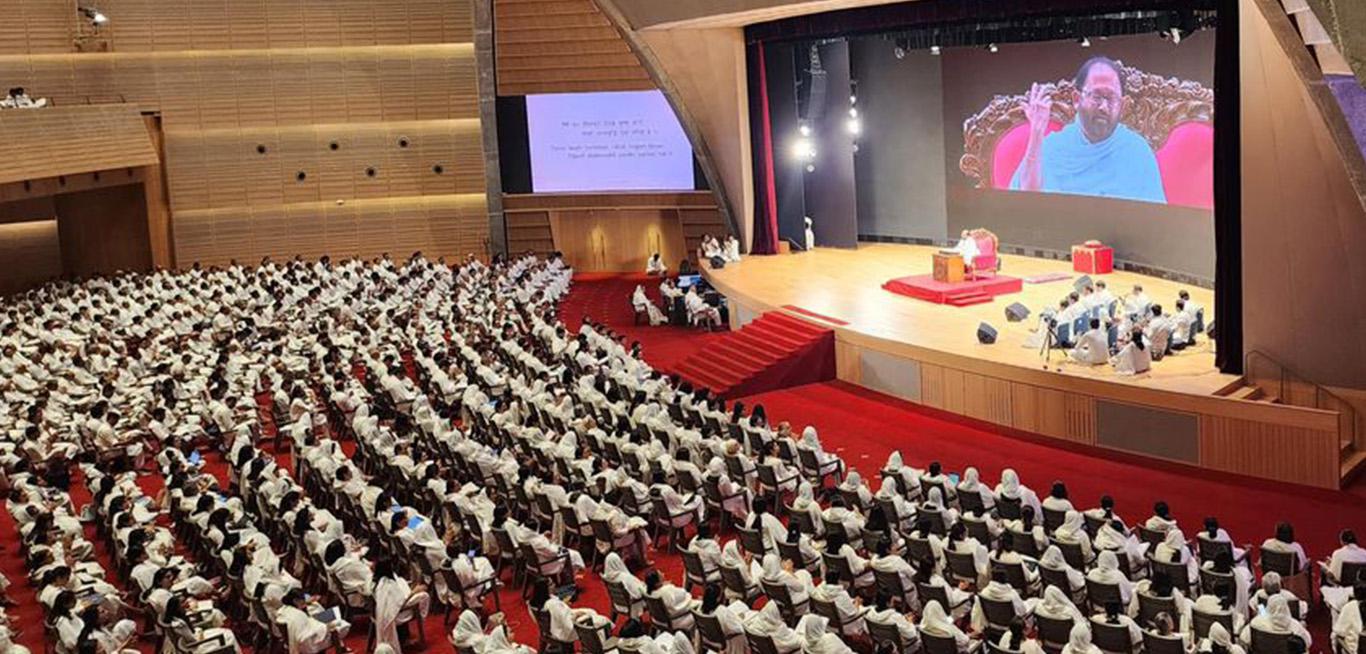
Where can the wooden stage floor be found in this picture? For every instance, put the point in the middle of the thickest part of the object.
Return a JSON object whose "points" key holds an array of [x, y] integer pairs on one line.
{"points": [[847, 285]]}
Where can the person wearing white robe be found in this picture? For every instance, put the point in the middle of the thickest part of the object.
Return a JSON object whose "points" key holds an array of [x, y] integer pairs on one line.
{"points": [[1271, 587], [1347, 628], [641, 302], [1115, 616], [1011, 488], [730, 249], [677, 602], [1173, 549], [730, 616], [1093, 348], [935, 622], [971, 483], [392, 593], [814, 629], [748, 568], [1137, 302], [777, 572], [967, 247], [1284, 542], [1134, 358], [655, 265], [1349, 552], [1107, 572], [1072, 531], [614, 571], [307, 634], [1057, 605], [1079, 640], [998, 590], [1277, 619], [768, 621], [1219, 636]]}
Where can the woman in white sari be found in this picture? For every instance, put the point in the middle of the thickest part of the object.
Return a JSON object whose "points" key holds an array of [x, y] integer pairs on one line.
{"points": [[971, 483], [854, 484], [890, 491], [812, 442], [1110, 536], [805, 502], [392, 595], [641, 302], [1277, 619], [614, 571], [1079, 640], [731, 617], [778, 573], [732, 558], [813, 629], [735, 498], [1053, 559], [1173, 549], [935, 622], [1011, 488], [1219, 637], [1073, 531], [1056, 605], [768, 621], [1107, 572], [907, 475]]}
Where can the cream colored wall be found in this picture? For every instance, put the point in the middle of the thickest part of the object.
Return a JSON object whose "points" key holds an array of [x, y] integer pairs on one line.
{"points": [[1304, 271], [706, 69]]}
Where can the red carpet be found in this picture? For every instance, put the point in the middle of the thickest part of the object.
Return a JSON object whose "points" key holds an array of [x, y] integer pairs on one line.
{"points": [[773, 351], [974, 291]]}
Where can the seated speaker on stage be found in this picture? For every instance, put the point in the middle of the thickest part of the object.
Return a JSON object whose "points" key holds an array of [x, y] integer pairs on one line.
{"points": [[655, 265], [1158, 333], [967, 246], [730, 250], [1134, 358], [1093, 348]]}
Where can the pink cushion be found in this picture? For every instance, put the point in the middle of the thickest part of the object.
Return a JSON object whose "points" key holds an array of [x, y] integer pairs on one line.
{"points": [[1010, 150], [1187, 165]]}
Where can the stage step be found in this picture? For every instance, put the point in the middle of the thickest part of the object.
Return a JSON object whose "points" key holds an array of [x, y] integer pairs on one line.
{"points": [[775, 350], [1246, 393], [967, 299]]}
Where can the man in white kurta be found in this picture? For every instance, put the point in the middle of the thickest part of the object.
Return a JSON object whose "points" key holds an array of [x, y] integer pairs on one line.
{"points": [[1093, 348]]}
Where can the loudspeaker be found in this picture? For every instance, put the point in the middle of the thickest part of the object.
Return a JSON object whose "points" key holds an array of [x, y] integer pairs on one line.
{"points": [[1209, 331], [1016, 312], [717, 263], [1081, 283], [986, 334]]}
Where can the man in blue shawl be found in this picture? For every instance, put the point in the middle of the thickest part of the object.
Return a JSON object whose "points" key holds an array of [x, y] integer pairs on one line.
{"points": [[1094, 154]]}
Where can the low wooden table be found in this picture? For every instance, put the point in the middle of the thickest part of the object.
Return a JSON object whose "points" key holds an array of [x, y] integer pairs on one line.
{"points": [[948, 267]]}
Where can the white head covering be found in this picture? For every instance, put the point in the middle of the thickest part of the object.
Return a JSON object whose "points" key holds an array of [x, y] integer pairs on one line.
{"points": [[889, 487], [765, 621], [935, 498], [1010, 483], [730, 555], [773, 566], [1220, 636], [810, 439], [1278, 613], [1056, 602], [467, 630], [1072, 525], [1107, 568], [935, 620], [894, 461], [613, 567], [804, 492], [1079, 640], [970, 479], [1053, 558], [853, 480], [812, 627]]}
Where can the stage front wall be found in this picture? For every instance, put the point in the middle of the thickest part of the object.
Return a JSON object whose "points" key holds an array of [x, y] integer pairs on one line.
{"points": [[910, 185]]}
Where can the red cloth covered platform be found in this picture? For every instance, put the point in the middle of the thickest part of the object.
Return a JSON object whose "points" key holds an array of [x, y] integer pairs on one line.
{"points": [[958, 294]]}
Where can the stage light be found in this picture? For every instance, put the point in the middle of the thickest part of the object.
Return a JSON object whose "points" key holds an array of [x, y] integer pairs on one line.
{"points": [[94, 15], [992, 48], [853, 112], [810, 168], [854, 125], [853, 99], [804, 149], [1085, 42], [805, 130], [934, 50], [902, 45]]}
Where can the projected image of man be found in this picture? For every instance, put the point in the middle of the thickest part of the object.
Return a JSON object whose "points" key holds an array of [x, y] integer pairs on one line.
{"points": [[1094, 154]]}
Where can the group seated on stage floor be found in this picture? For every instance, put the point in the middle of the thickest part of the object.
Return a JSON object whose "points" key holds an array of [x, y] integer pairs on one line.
{"points": [[1130, 332], [1176, 117], [494, 446]]}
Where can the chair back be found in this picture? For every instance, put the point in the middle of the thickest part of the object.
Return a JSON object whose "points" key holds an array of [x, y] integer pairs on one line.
{"points": [[1025, 544], [1072, 553], [751, 540], [931, 593], [761, 644], [709, 630], [1269, 642], [1052, 519], [1352, 572], [1178, 572], [1056, 577], [1151, 605], [891, 583], [801, 521], [999, 615], [1111, 637], [1099, 594], [1150, 536], [1209, 549], [935, 644], [830, 612], [780, 594], [1008, 508], [1155, 644], [1053, 633], [1015, 575], [1210, 581], [971, 502], [1286, 564], [839, 564], [1201, 622], [659, 613], [734, 581], [694, 572], [977, 528], [886, 633], [918, 549], [621, 601], [962, 566], [592, 639], [792, 552]]}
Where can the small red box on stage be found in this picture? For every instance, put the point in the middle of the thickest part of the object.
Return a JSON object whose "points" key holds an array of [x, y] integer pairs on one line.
{"points": [[1093, 258]]}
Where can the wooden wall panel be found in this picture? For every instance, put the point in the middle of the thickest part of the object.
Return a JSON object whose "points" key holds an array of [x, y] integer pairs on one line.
{"points": [[72, 140], [175, 25], [35, 26], [932, 385], [104, 230], [32, 255], [987, 398], [449, 226], [561, 46], [1270, 451]]}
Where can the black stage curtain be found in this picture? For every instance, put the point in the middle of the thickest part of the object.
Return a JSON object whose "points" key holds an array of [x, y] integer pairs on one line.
{"points": [[1228, 204]]}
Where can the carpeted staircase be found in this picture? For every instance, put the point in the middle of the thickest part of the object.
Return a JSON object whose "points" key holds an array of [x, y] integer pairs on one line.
{"points": [[774, 351]]}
